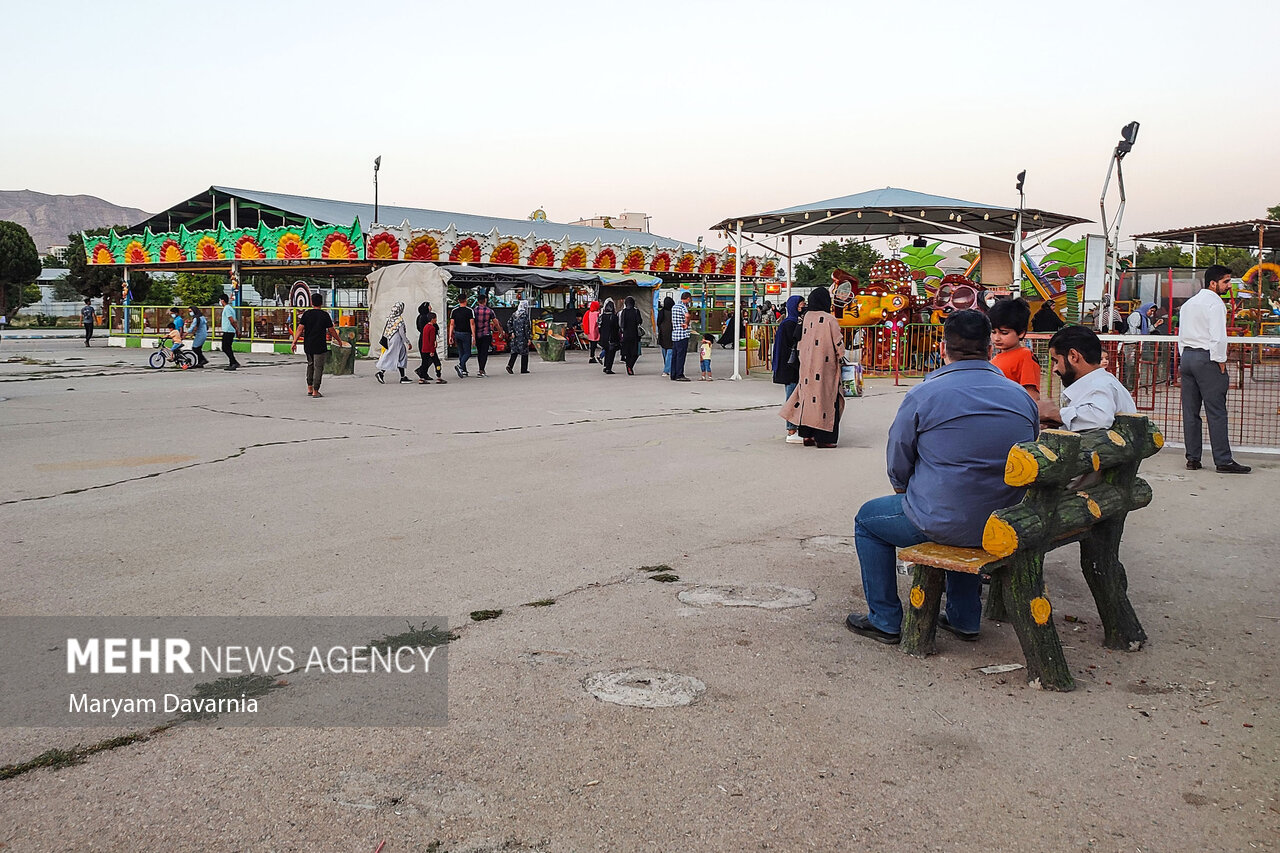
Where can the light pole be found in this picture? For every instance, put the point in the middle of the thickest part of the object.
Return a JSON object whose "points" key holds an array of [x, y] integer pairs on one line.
{"points": [[1017, 236], [1128, 136], [377, 164]]}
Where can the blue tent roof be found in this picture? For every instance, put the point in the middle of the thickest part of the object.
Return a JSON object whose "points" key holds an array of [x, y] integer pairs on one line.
{"points": [[892, 210], [334, 212]]}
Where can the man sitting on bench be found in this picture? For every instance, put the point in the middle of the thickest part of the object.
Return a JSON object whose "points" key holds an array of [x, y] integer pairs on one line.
{"points": [[947, 451], [1091, 397]]}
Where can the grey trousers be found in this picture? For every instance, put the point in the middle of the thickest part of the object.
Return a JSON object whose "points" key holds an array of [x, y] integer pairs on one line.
{"points": [[315, 369], [1204, 382]]}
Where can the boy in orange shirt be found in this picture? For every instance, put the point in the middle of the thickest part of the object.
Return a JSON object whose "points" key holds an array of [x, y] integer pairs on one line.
{"points": [[1009, 319]]}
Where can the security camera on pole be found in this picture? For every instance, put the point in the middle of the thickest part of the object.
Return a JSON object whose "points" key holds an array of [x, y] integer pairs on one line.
{"points": [[1128, 136]]}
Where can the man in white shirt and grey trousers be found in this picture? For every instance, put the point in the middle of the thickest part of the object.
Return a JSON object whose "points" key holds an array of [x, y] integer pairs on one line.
{"points": [[1202, 345]]}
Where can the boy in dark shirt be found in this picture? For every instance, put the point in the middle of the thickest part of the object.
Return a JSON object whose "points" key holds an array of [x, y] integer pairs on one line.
{"points": [[427, 347], [315, 327]]}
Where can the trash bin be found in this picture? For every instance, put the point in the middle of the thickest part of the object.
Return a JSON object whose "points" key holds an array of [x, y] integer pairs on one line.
{"points": [[341, 361], [551, 347]]}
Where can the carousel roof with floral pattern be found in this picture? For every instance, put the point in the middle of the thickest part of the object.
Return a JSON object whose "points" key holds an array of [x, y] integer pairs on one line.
{"points": [[274, 227]]}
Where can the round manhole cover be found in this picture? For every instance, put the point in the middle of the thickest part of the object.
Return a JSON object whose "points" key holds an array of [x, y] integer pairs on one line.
{"points": [[764, 595], [838, 544], [644, 688]]}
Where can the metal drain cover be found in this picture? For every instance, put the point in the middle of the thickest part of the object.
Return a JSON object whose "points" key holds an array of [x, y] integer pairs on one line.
{"points": [[767, 596], [644, 688]]}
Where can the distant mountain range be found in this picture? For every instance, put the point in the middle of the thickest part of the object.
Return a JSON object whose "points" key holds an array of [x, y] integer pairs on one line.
{"points": [[50, 218]]}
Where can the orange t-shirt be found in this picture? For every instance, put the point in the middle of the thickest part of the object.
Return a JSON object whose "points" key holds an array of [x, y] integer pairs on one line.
{"points": [[1020, 365]]}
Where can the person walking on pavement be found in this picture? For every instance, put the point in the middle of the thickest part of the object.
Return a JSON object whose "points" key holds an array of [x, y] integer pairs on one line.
{"points": [[609, 335], [680, 326], [817, 403], [228, 328], [88, 317], [486, 323], [519, 331], [462, 329], [786, 361], [1202, 345], [664, 333], [315, 328], [629, 321], [395, 345], [200, 334], [591, 328]]}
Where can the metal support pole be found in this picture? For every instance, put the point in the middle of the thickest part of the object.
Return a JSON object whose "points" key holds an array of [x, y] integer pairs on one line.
{"points": [[789, 274], [737, 302]]}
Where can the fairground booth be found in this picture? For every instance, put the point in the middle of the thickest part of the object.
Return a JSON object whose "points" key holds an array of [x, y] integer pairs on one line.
{"points": [[276, 250], [898, 309]]}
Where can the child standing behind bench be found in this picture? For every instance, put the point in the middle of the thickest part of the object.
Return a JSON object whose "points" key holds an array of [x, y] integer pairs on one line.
{"points": [[1009, 319]]}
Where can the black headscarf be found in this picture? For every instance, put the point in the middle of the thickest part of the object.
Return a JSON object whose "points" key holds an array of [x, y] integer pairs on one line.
{"points": [[424, 312], [819, 299]]}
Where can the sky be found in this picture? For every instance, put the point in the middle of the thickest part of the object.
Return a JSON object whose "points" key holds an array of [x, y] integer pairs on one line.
{"points": [[690, 111]]}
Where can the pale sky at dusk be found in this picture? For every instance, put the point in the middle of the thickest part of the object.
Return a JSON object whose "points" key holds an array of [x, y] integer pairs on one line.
{"points": [[689, 111]]}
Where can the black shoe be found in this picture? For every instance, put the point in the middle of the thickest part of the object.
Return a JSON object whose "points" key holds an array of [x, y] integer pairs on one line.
{"points": [[593, 361], [859, 624], [405, 379], [509, 370], [1193, 465], [1233, 468], [378, 376], [458, 370], [967, 636], [683, 379]]}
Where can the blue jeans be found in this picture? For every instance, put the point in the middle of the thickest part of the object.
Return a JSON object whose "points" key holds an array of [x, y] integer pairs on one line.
{"points": [[789, 388], [679, 349], [463, 343], [879, 529], [666, 361]]}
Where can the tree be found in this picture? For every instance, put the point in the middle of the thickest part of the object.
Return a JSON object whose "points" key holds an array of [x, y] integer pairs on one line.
{"points": [[1273, 212], [19, 268], [65, 291], [851, 257], [52, 262], [198, 289]]}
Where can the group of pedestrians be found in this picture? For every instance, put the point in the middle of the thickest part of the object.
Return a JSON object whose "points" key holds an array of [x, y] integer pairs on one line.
{"points": [[615, 332]]}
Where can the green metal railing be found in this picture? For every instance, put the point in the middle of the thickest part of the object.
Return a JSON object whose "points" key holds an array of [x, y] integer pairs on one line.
{"points": [[256, 324]]}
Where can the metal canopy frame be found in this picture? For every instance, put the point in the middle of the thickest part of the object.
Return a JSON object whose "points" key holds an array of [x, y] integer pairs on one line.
{"points": [[887, 213]]}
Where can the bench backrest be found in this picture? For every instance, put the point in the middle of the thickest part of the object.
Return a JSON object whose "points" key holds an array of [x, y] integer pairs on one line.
{"points": [[1073, 481]]}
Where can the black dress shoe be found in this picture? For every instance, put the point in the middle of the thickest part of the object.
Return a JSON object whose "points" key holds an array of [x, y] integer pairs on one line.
{"points": [[1193, 465], [967, 636], [859, 624], [1233, 468]]}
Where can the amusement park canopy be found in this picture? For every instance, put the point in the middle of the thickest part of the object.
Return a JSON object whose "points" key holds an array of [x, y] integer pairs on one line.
{"points": [[213, 207], [228, 229], [1246, 234], [879, 213]]}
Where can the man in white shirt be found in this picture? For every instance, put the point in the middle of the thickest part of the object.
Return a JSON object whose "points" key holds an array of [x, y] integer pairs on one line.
{"points": [[1091, 397], [1202, 348]]}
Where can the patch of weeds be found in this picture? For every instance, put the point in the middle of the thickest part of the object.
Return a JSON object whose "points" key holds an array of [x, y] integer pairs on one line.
{"points": [[248, 686], [541, 602], [661, 567], [419, 637], [484, 615], [26, 359], [664, 577], [57, 759]]}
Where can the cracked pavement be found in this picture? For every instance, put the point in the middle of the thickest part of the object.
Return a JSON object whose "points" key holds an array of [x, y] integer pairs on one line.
{"points": [[216, 493]]}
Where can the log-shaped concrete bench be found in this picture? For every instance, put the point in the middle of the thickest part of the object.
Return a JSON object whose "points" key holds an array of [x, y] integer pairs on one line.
{"points": [[1080, 488]]}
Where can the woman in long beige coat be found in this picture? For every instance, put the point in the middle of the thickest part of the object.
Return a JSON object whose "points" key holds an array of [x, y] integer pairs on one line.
{"points": [[817, 402]]}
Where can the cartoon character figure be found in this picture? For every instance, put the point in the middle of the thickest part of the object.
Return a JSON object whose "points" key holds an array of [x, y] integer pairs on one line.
{"points": [[957, 293]]}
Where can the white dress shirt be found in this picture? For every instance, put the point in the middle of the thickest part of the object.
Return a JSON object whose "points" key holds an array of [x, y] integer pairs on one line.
{"points": [[1202, 324], [1094, 400]]}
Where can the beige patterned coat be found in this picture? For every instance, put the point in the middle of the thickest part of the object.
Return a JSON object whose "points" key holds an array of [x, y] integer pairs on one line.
{"points": [[813, 403]]}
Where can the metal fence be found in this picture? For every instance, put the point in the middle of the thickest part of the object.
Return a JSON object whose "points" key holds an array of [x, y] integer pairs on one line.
{"points": [[1147, 366], [266, 324]]}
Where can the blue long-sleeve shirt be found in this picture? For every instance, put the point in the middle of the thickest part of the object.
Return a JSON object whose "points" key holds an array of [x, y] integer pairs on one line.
{"points": [[948, 446]]}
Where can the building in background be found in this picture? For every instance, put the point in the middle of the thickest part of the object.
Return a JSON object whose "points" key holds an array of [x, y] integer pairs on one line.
{"points": [[625, 221]]}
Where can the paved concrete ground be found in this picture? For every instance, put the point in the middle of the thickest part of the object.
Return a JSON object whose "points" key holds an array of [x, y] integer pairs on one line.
{"points": [[129, 491]]}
